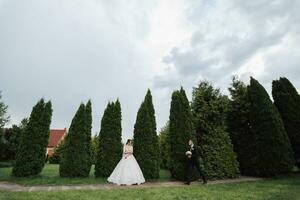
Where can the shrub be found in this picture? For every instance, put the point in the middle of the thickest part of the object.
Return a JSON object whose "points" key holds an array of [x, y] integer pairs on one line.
{"points": [[57, 154]]}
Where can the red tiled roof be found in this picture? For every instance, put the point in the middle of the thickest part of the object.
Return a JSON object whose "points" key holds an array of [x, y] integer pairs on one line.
{"points": [[55, 136]]}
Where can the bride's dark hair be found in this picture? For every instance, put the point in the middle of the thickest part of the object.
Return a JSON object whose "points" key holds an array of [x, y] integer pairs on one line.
{"points": [[128, 141]]}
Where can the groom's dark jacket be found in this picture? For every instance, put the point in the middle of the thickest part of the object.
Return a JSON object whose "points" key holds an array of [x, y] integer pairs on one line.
{"points": [[194, 162], [196, 153]]}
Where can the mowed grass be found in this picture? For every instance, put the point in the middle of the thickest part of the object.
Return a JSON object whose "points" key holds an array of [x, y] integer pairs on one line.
{"points": [[50, 176], [268, 189], [271, 189]]}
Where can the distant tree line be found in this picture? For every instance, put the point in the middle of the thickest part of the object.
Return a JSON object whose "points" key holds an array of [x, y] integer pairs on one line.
{"points": [[245, 133]]}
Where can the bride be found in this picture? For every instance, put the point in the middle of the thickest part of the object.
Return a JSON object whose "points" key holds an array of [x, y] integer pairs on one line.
{"points": [[128, 171]]}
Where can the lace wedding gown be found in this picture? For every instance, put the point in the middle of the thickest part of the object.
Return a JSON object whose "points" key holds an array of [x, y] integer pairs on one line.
{"points": [[128, 171]]}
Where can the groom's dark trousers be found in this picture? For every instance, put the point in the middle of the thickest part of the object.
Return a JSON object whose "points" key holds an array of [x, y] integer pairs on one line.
{"points": [[193, 162]]}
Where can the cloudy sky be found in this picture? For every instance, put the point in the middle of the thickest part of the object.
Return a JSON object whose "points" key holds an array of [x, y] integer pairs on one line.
{"points": [[73, 50]]}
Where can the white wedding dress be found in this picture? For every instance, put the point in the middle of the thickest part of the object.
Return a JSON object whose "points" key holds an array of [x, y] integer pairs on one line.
{"points": [[128, 171]]}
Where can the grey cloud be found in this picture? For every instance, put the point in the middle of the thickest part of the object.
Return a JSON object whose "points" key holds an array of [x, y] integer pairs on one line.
{"points": [[288, 67], [69, 52], [230, 33], [188, 63]]}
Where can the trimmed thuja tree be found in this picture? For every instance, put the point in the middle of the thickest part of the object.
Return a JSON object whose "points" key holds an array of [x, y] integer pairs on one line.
{"points": [[88, 124], [74, 160], [180, 131], [287, 101], [146, 146], [209, 109], [31, 154], [156, 154], [109, 150], [273, 153], [239, 125]]}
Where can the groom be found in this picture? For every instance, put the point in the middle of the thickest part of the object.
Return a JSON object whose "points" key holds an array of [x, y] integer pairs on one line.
{"points": [[193, 162]]}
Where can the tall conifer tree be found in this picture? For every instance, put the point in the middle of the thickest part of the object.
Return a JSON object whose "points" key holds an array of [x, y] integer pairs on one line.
{"points": [[209, 108], [273, 153], [88, 122], [109, 151], [31, 153], [146, 146], [156, 154], [239, 125], [74, 160], [180, 131], [287, 101]]}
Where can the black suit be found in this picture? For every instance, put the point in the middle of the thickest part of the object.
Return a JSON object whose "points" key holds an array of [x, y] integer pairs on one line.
{"points": [[193, 162]]}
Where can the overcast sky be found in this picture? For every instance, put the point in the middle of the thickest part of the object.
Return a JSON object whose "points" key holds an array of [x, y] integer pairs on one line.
{"points": [[70, 51]]}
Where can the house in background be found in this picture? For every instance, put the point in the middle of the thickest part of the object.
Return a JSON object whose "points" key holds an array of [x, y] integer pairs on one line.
{"points": [[56, 135]]}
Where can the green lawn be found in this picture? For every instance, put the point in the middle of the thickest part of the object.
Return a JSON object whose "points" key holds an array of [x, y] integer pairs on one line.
{"points": [[50, 176], [268, 189], [273, 189]]}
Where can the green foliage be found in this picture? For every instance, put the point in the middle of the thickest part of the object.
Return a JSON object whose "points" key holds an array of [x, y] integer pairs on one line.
{"points": [[164, 146], [155, 154], [238, 122], [4, 118], [31, 154], [272, 153], [9, 146], [287, 101], [57, 154], [219, 159], [75, 160], [209, 109], [146, 146], [94, 146], [181, 130], [109, 150], [88, 124]]}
